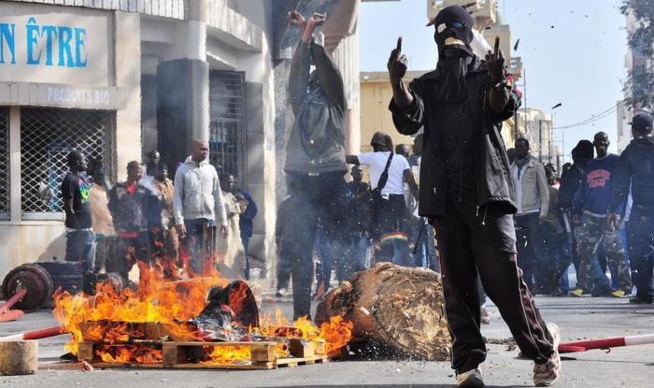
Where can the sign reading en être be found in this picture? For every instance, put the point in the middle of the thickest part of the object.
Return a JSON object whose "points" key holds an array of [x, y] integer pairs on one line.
{"points": [[63, 45]]}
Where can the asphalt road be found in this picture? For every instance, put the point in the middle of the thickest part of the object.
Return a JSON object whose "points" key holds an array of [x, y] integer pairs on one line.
{"points": [[579, 318]]}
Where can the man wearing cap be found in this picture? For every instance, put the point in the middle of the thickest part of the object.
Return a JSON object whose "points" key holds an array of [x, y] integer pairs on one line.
{"points": [[388, 209], [635, 169], [467, 192]]}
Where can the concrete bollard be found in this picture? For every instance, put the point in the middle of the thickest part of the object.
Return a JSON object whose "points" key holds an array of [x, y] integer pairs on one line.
{"points": [[19, 357]]}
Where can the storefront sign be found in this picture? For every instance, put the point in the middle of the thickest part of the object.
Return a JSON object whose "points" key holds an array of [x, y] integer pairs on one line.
{"points": [[64, 45], [40, 94]]}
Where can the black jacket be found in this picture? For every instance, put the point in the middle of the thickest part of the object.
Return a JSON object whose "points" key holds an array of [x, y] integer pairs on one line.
{"points": [[494, 182], [317, 140], [570, 182], [635, 169]]}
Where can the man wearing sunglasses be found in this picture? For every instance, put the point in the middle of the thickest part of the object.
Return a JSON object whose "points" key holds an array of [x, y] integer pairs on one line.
{"points": [[467, 193]]}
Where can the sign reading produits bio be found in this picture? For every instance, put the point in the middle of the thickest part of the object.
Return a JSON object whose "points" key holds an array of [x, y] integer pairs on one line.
{"points": [[63, 45]]}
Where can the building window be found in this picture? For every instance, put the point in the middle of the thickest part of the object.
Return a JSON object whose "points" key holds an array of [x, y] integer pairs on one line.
{"points": [[4, 163], [47, 136], [227, 136]]}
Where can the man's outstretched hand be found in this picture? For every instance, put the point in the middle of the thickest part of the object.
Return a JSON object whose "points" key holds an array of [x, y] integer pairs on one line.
{"points": [[495, 63], [397, 64]]}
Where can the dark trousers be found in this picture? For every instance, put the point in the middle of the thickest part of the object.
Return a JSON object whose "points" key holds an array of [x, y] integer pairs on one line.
{"points": [[324, 268], [391, 234], [80, 247], [246, 243], [315, 200], [133, 250], [529, 257], [556, 263], [283, 268], [640, 232], [464, 255]]}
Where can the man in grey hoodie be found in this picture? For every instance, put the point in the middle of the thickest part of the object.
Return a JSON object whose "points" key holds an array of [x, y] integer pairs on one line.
{"points": [[197, 205]]}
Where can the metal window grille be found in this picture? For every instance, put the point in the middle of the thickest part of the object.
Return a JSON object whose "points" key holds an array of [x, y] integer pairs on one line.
{"points": [[4, 163], [47, 136], [227, 130]]}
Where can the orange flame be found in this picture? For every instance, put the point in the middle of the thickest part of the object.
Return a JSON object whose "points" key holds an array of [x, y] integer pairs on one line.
{"points": [[160, 308], [227, 354]]}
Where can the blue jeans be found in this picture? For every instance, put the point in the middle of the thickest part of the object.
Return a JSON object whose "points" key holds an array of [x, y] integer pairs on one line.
{"points": [[424, 252], [80, 247]]}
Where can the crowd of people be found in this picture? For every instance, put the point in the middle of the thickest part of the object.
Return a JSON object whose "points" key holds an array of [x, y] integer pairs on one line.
{"points": [[188, 226], [583, 219], [505, 225], [560, 221]]}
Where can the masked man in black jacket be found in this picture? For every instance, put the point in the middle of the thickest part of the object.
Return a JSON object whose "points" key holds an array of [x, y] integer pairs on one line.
{"points": [[467, 192]]}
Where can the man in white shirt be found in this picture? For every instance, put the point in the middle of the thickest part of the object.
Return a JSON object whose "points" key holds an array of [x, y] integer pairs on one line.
{"points": [[388, 209], [198, 205]]}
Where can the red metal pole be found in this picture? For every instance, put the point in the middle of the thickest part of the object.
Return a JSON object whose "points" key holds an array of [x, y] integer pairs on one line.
{"points": [[11, 315], [582, 346], [35, 334], [11, 301], [605, 343]]}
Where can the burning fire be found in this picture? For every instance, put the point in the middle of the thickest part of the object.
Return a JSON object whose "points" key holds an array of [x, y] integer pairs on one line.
{"points": [[119, 319]]}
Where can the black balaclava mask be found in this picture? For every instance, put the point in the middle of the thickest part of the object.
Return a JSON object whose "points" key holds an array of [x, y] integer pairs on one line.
{"points": [[453, 36]]}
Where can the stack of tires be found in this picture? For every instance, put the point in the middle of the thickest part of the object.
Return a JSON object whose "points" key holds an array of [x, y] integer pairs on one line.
{"points": [[41, 280]]}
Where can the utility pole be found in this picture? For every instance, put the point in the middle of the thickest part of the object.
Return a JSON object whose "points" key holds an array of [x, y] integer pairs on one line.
{"points": [[551, 131], [540, 141]]}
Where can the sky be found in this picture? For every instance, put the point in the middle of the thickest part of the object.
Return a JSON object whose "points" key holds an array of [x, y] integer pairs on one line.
{"points": [[573, 53]]}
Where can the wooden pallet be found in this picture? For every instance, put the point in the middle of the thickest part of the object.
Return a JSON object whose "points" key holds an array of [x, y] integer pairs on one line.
{"points": [[182, 355]]}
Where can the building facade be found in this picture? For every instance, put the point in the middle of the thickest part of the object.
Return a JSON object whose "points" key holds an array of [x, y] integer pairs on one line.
{"points": [[116, 79]]}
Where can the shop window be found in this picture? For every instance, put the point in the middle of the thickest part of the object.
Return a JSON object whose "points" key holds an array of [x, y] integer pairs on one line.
{"points": [[47, 136], [227, 136], [4, 163]]}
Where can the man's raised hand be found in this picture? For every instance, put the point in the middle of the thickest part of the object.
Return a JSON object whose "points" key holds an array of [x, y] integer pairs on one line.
{"points": [[495, 63], [296, 19], [317, 19], [397, 63]]}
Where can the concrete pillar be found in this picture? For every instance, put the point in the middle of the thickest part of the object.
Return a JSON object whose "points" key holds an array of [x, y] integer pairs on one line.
{"points": [[183, 89], [346, 57], [15, 186], [128, 77]]}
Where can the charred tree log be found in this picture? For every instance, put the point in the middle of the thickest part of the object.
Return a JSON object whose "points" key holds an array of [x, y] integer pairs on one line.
{"points": [[400, 307]]}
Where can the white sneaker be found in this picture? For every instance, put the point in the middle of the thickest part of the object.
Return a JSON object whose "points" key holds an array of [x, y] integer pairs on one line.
{"points": [[281, 292], [470, 379], [547, 374]]}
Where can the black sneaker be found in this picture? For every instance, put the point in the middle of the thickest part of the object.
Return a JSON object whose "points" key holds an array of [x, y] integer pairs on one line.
{"points": [[639, 300]]}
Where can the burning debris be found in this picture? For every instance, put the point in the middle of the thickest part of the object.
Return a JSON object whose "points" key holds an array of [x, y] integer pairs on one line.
{"points": [[201, 321]]}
